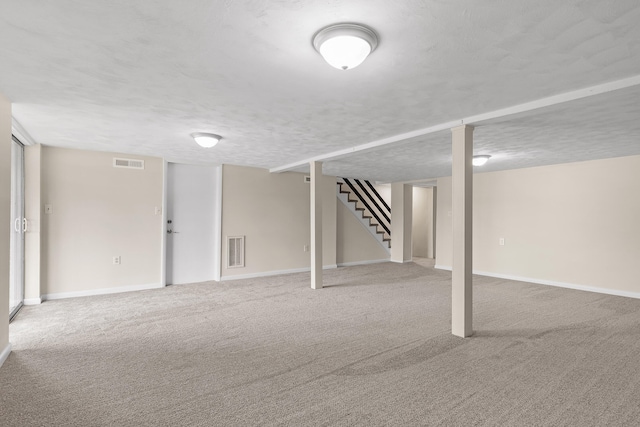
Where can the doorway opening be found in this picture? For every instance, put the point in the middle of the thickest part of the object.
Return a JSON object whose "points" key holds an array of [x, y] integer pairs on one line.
{"points": [[423, 228], [193, 221]]}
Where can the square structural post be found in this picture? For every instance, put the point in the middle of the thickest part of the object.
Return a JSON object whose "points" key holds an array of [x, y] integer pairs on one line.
{"points": [[316, 225], [401, 219], [462, 207]]}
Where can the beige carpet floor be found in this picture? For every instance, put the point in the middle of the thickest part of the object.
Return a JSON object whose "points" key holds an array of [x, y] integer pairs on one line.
{"points": [[373, 348]]}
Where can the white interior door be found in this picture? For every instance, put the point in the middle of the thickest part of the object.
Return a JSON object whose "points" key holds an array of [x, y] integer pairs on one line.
{"points": [[18, 228], [193, 223]]}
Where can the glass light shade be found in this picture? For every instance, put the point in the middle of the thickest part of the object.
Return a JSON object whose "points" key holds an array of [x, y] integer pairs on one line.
{"points": [[345, 46], [480, 159], [345, 52], [206, 140]]}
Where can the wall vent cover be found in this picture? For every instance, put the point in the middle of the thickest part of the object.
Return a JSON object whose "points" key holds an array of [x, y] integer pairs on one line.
{"points": [[128, 163], [235, 251]]}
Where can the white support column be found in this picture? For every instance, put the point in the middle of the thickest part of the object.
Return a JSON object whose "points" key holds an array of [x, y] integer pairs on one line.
{"points": [[462, 207], [316, 225], [401, 219], [32, 238]]}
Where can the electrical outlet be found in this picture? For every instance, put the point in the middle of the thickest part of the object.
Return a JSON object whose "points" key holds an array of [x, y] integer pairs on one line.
{"points": [[501, 241], [116, 260], [158, 210], [305, 248]]}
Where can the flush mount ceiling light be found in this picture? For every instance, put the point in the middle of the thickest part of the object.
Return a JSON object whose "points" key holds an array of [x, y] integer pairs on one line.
{"points": [[345, 46], [480, 159], [206, 140]]}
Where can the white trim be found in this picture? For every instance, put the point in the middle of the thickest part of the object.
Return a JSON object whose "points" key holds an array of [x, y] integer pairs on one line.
{"points": [[442, 267], [103, 291], [5, 353], [370, 261], [274, 273], [21, 134], [595, 289], [32, 301], [515, 109]]}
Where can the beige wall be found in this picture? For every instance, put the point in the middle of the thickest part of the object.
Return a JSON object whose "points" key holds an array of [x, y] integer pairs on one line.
{"points": [[99, 212], [354, 243], [272, 211], [422, 228], [5, 217], [385, 192], [573, 224]]}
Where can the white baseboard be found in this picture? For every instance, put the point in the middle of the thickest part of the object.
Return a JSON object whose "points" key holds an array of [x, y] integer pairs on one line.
{"points": [[4, 354], [551, 283], [371, 261], [273, 273], [103, 291], [401, 262], [32, 301]]}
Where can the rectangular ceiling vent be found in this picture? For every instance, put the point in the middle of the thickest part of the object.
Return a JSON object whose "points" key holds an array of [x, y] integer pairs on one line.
{"points": [[128, 163], [235, 251]]}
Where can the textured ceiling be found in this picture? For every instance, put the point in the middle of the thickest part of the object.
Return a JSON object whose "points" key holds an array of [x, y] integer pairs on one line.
{"points": [[139, 76]]}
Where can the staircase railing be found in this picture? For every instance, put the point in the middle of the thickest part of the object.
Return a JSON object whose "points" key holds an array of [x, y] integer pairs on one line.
{"points": [[369, 198], [373, 189]]}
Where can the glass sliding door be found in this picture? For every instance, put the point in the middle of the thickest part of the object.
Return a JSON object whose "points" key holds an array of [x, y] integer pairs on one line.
{"points": [[18, 228]]}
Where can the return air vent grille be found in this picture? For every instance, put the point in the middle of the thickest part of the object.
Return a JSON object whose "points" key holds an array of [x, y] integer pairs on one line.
{"points": [[235, 252], [128, 163]]}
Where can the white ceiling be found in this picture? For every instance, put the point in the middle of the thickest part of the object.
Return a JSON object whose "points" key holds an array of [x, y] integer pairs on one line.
{"points": [[138, 76]]}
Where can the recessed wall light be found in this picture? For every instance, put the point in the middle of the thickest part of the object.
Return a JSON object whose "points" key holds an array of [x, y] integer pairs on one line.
{"points": [[206, 140], [480, 159], [345, 46]]}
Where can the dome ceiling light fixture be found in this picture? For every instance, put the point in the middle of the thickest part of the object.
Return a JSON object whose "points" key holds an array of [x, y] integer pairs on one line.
{"points": [[206, 140], [345, 46], [480, 159]]}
